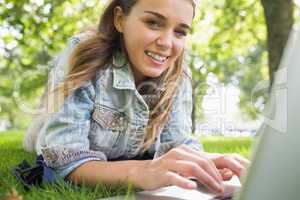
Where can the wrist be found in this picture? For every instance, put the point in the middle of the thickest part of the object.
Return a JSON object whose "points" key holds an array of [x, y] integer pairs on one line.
{"points": [[135, 173]]}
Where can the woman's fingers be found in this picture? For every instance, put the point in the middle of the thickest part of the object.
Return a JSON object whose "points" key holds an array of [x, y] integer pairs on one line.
{"points": [[241, 160], [226, 174], [205, 164], [193, 170], [172, 178], [236, 163], [212, 165], [209, 169], [235, 166]]}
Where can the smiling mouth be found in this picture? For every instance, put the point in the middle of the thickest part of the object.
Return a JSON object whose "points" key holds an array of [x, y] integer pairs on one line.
{"points": [[157, 57]]}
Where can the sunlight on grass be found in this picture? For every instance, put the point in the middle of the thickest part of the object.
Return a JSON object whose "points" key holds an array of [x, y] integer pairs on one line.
{"points": [[241, 145], [12, 153]]}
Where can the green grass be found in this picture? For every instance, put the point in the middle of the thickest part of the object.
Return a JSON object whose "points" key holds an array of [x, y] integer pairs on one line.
{"points": [[11, 153], [241, 145]]}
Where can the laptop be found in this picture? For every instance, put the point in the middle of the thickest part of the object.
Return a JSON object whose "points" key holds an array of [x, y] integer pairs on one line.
{"points": [[274, 173]]}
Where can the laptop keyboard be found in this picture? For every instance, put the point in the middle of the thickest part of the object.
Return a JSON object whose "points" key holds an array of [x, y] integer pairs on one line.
{"points": [[228, 196]]}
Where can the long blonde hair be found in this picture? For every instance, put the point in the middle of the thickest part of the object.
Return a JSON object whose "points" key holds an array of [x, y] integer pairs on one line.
{"points": [[97, 50]]}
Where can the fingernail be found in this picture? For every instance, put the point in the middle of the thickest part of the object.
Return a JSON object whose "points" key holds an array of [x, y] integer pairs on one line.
{"points": [[221, 188], [228, 174], [192, 185]]}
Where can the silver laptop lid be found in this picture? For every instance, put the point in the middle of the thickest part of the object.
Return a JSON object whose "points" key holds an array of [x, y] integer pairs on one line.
{"points": [[275, 171]]}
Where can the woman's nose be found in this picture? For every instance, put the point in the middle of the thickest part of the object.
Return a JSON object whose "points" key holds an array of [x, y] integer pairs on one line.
{"points": [[165, 40]]}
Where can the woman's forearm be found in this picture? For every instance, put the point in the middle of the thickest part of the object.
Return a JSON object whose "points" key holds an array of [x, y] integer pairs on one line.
{"points": [[173, 168], [115, 172]]}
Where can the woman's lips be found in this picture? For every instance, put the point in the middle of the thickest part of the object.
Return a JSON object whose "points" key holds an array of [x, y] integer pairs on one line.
{"points": [[156, 58]]}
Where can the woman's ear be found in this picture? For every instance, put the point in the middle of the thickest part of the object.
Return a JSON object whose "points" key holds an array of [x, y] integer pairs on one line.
{"points": [[119, 19]]}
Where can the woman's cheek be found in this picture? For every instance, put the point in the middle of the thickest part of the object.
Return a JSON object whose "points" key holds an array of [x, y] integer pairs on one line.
{"points": [[180, 46], [150, 38]]}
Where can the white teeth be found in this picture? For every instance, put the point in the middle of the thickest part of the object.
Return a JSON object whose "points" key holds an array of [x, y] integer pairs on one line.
{"points": [[156, 57]]}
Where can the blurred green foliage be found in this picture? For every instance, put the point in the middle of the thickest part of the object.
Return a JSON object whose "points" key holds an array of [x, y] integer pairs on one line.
{"points": [[32, 32], [227, 41]]}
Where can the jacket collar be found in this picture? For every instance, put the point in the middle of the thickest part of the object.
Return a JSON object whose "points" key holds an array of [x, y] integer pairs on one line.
{"points": [[122, 73], [123, 76]]}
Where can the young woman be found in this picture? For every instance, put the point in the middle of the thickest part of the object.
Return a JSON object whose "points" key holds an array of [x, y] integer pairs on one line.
{"points": [[126, 110]]}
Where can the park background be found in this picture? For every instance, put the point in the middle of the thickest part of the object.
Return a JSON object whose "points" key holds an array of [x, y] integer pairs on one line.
{"points": [[234, 50]]}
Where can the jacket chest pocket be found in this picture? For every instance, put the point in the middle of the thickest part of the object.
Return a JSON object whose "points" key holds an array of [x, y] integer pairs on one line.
{"points": [[108, 129]]}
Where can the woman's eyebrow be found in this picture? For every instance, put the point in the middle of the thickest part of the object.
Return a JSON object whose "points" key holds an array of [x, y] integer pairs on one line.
{"points": [[160, 16]]}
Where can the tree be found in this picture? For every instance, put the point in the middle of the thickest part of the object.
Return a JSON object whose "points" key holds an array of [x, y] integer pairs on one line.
{"points": [[234, 48], [32, 33], [228, 41], [279, 16]]}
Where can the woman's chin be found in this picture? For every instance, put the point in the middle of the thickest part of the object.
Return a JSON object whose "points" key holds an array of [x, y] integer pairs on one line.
{"points": [[154, 73]]}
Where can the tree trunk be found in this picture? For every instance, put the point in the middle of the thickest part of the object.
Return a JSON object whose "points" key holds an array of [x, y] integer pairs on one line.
{"points": [[279, 20], [194, 111], [195, 87]]}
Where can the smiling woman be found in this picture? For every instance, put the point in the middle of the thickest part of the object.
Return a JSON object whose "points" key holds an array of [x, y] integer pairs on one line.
{"points": [[161, 35], [127, 102]]}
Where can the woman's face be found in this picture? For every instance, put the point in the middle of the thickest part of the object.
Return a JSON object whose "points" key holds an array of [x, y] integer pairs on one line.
{"points": [[154, 34]]}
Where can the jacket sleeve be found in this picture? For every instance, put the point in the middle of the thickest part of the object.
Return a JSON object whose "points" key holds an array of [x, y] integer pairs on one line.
{"points": [[178, 129], [63, 140], [57, 70]]}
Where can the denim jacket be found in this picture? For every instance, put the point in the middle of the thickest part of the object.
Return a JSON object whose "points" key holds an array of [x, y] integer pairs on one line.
{"points": [[105, 119]]}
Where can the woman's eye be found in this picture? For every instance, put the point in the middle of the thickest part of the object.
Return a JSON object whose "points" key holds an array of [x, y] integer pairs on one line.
{"points": [[180, 33], [152, 24]]}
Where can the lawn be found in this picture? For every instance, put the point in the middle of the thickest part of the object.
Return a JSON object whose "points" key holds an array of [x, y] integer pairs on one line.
{"points": [[11, 153]]}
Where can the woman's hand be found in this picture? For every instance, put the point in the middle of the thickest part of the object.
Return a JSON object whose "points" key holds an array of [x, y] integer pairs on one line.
{"points": [[175, 168], [227, 164]]}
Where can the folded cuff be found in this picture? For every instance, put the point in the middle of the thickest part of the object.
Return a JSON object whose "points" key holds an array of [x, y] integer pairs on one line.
{"points": [[59, 157]]}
